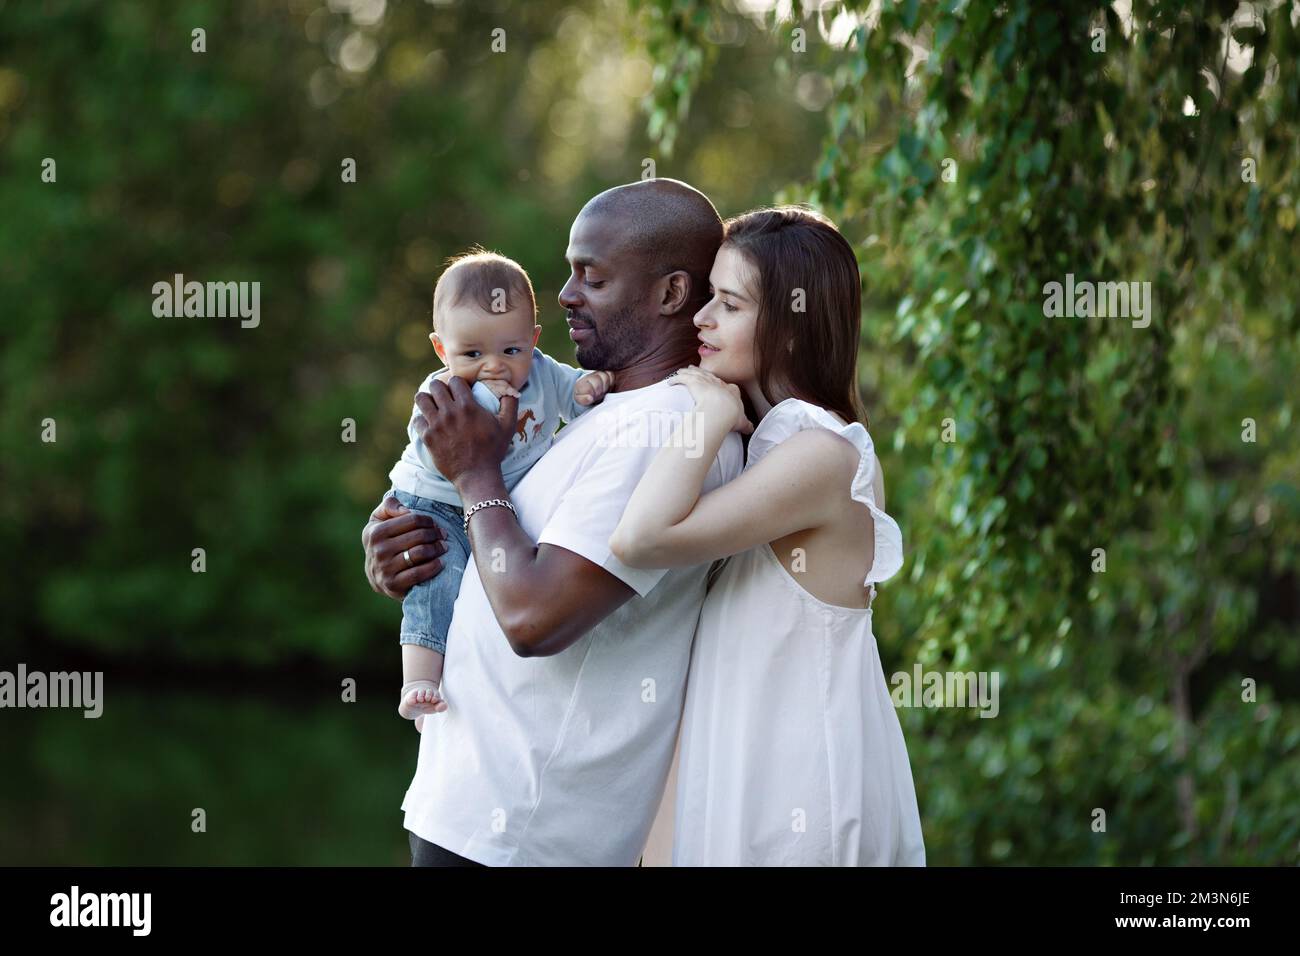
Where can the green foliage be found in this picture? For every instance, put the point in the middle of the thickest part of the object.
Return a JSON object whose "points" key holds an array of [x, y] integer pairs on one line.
{"points": [[1119, 690], [1122, 690], [176, 434], [677, 44]]}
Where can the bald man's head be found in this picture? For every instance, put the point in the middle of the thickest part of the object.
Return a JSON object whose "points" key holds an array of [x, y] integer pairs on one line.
{"points": [[641, 256], [670, 225]]}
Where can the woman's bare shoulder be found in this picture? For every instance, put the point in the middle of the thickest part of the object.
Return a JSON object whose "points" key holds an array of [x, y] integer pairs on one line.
{"points": [[830, 459]]}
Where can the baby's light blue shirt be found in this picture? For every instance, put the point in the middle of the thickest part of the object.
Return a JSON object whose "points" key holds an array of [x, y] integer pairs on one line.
{"points": [[545, 399]]}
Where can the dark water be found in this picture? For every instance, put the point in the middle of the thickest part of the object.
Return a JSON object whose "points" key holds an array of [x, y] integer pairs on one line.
{"points": [[282, 781]]}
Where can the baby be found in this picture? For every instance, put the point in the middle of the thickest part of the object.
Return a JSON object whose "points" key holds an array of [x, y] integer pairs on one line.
{"points": [[485, 331]]}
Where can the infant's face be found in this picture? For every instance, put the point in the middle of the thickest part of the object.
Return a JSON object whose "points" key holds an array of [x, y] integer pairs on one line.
{"points": [[481, 346]]}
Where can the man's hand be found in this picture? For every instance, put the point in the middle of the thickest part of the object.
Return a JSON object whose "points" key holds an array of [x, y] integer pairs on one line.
{"points": [[591, 388], [463, 437], [392, 533]]}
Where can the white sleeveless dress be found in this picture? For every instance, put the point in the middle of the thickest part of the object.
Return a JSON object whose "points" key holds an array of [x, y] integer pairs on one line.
{"points": [[791, 752]]}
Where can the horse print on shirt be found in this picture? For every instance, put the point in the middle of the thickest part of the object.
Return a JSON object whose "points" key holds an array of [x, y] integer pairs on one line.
{"points": [[521, 427]]}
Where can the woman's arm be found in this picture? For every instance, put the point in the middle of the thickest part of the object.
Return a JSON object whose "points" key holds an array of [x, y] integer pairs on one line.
{"points": [[800, 484]]}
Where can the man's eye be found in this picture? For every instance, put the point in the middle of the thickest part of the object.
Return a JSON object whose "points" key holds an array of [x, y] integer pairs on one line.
{"points": [[595, 285]]}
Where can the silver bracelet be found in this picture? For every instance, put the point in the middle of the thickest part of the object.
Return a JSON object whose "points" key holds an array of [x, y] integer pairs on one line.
{"points": [[490, 503]]}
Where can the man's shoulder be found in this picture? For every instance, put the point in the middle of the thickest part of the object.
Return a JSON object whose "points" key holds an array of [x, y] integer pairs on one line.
{"points": [[675, 401], [656, 415], [662, 396], [658, 407]]}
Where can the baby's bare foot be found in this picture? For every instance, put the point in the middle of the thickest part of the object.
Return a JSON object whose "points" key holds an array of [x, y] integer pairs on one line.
{"points": [[420, 697]]}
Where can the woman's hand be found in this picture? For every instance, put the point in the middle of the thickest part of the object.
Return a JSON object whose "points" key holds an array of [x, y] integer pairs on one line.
{"points": [[713, 396]]}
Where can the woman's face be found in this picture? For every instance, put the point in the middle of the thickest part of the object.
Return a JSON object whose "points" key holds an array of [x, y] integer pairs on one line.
{"points": [[727, 322]]}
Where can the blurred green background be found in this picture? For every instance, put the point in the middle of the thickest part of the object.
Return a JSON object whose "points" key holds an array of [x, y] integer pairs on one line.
{"points": [[1014, 445]]}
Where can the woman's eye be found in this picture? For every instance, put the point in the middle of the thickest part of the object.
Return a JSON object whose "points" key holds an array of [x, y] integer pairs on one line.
{"points": [[728, 306]]}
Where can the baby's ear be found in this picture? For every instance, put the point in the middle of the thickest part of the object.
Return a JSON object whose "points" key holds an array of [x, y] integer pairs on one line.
{"points": [[537, 332], [438, 346]]}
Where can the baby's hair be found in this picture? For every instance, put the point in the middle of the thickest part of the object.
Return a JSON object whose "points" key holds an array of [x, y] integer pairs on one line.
{"points": [[487, 279]]}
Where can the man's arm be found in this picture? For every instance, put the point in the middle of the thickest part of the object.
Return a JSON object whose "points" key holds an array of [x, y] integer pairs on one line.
{"points": [[544, 598]]}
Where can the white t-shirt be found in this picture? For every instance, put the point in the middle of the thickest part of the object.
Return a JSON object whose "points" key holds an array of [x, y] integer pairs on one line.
{"points": [[562, 760]]}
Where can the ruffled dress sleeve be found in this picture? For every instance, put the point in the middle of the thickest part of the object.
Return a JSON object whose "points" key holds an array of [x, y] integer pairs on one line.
{"points": [[793, 415]]}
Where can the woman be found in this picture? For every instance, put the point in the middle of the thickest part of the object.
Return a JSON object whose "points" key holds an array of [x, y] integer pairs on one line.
{"points": [[790, 750]]}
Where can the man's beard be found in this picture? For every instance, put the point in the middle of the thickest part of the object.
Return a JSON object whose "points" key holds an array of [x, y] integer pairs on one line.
{"points": [[615, 343]]}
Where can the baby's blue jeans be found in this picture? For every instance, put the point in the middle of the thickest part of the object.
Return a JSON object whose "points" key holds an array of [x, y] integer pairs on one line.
{"points": [[427, 607]]}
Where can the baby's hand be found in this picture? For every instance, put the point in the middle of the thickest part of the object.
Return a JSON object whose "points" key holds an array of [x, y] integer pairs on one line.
{"points": [[500, 389], [591, 388]]}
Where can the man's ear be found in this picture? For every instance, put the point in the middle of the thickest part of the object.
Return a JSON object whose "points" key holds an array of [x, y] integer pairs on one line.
{"points": [[677, 293], [438, 347]]}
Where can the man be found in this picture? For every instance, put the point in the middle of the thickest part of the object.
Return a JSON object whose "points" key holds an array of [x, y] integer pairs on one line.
{"points": [[565, 671]]}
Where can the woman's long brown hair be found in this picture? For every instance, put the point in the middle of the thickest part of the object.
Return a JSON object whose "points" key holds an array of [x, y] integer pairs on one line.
{"points": [[801, 258]]}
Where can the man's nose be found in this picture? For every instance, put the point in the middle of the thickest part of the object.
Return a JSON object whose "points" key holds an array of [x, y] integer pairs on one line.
{"points": [[569, 298]]}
